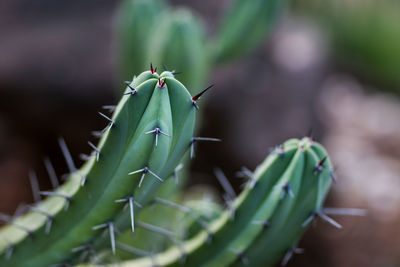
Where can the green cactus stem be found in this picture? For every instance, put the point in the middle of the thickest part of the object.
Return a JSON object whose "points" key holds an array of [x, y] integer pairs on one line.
{"points": [[149, 132], [283, 195]]}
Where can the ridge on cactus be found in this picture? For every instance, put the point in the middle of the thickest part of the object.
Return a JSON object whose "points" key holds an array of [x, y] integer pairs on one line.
{"points": [[150, 130], [283, 195]]}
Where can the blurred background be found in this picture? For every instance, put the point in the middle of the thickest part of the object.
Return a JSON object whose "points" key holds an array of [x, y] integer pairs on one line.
{"points": [[332, 67]]}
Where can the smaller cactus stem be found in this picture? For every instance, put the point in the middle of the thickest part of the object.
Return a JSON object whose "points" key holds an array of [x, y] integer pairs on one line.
{"points": [[8, 219], [57, 194]]}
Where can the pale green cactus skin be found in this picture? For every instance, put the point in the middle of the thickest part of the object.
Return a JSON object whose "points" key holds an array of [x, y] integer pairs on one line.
{"points": [[124, 148], [302, 164]]}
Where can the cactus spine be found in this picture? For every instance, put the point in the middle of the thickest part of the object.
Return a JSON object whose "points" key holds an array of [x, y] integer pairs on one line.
{"points": [[285, 193], [149, 132]]}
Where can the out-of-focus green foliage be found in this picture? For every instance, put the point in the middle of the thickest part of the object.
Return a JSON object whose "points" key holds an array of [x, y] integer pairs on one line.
{"points": [[365, 35], [178, 43], [135, 21], [244, 26]]}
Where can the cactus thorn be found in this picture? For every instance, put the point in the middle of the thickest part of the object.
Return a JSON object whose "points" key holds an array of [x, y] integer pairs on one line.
{"points": [[309, 135], [197, 96], [110, 108], [112, 123], [224, 182], [161, 83], [133, 90], [242, 256], [51, 172], [319, 166], [265, 224], [323, 216], [229, 203], [131, 201], [152, 70], [83, 180], [289, 254], [155, 229], [144, 171], [178, 168], [184, 209], [132, 250], [287, 190], [81, 248], [278, 149], [67, 155], [333, 174], [165, 67], [84, 157], [34, 185], [194, 139], [110, 226], [246, 173], [97, 134], [97, 151], [345, 211], [157, 131], [9, 252]]}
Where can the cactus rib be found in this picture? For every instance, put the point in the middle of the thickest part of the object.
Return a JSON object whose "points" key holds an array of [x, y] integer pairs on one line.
{"points": [[88, 197], [285, 189]]}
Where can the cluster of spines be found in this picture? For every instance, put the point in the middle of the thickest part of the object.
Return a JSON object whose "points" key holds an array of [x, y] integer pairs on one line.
{"points": [[78, 179], [271, 194]]}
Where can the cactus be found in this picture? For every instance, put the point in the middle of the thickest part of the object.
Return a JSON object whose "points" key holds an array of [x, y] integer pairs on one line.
{"points": [[151, 31], [135, 21], [150, 130], [285, 193], [178, 42], [244, 26]]}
